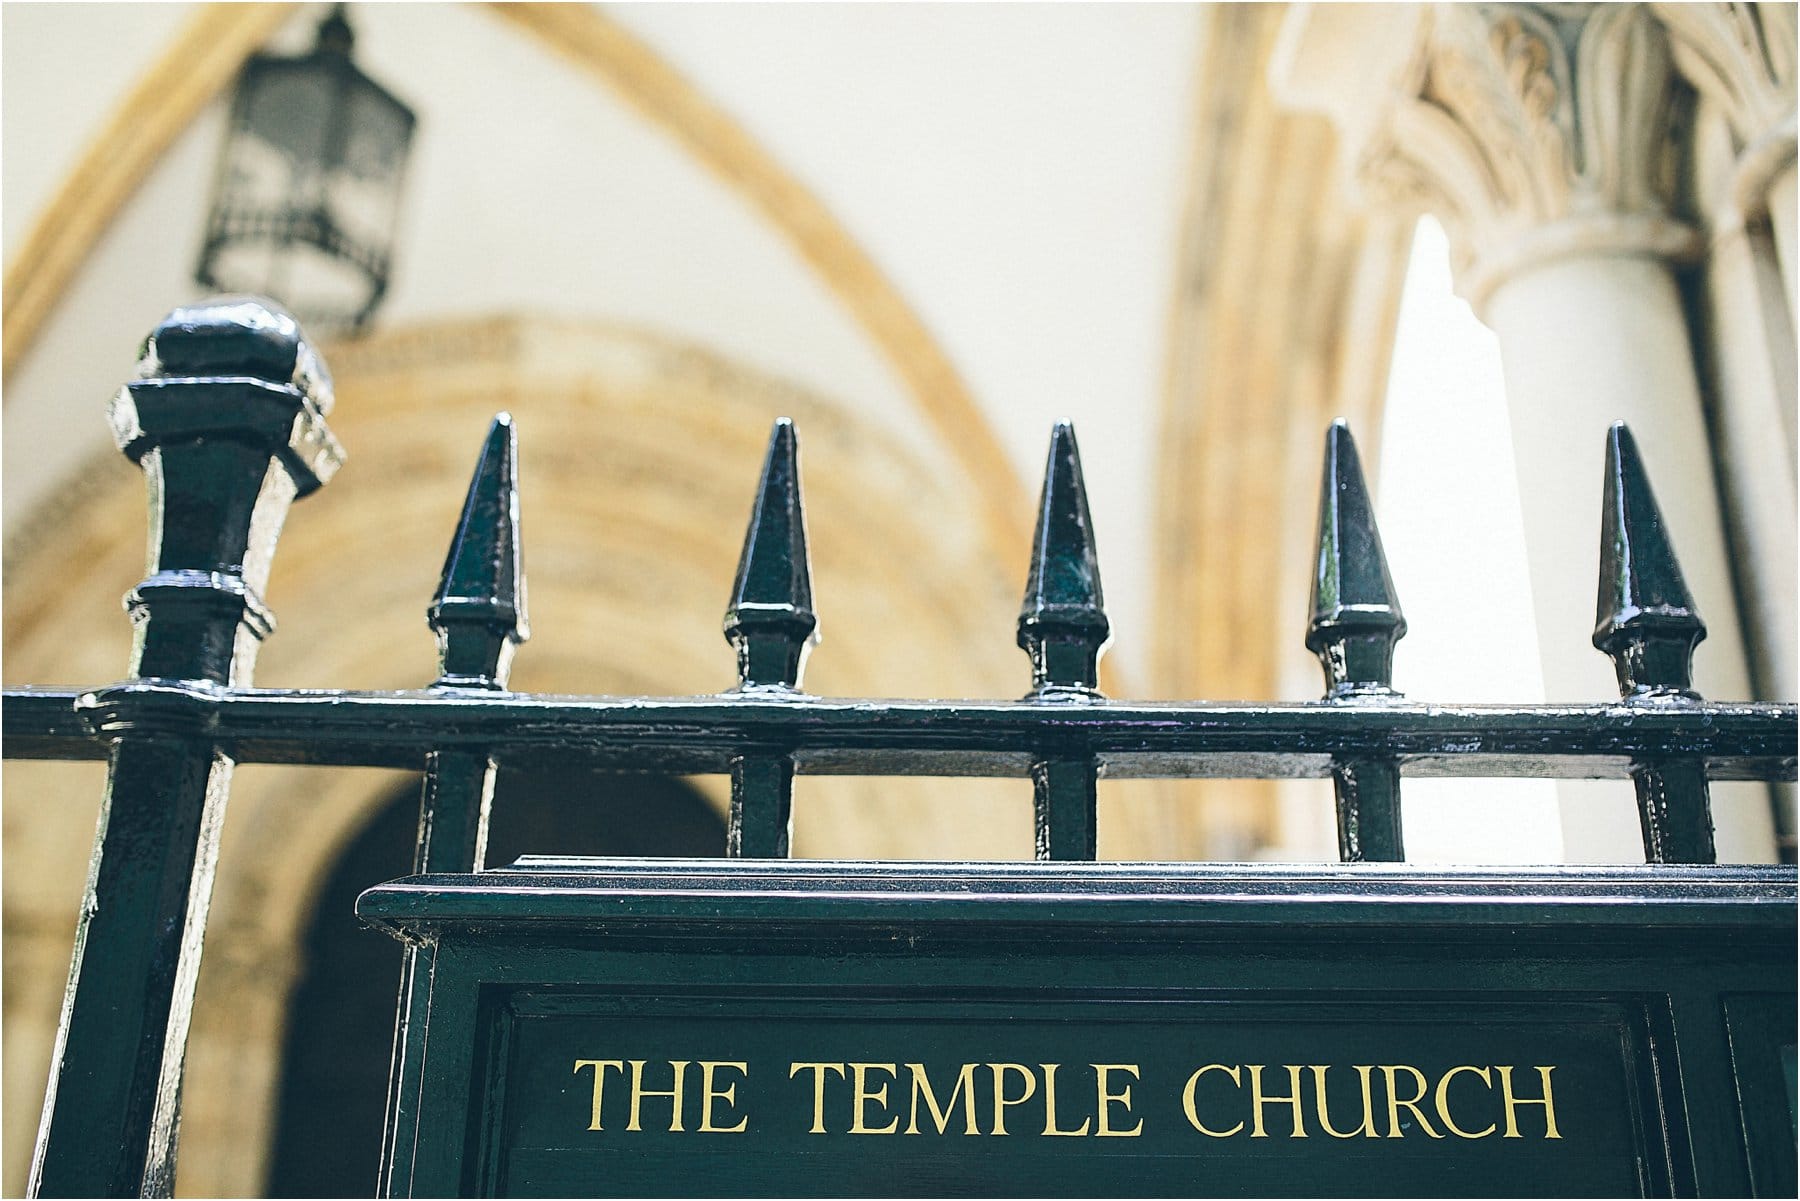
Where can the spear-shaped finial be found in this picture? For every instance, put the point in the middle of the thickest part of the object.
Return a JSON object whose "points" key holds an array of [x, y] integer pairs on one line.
{"points": [[1644, 618], [1356, 618], [334, 35], [1062, 624], [479, 610], [770, 619]]}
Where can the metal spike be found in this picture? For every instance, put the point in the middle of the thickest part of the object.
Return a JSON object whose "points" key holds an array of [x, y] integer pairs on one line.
{"points": [[1644, 617], [1062, 623], [770, 620], [479, 611], [1356, 618]]}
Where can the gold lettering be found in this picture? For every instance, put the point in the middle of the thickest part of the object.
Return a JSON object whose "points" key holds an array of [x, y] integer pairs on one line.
{"points": [[1001, 1100], [863, 1095], [728, 1094], [965, 1088], [1050, 1128], [1395, 1103], [1367, 1129], [818, 1070], [1443, 1100], [1187, 1099], [1547, 1101], [639, 1092], [1257, 1100], [1109, 1098], [599, 1066]]}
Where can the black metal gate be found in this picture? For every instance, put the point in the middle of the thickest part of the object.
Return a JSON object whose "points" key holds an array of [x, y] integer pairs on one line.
{"points": [[228, 421]]}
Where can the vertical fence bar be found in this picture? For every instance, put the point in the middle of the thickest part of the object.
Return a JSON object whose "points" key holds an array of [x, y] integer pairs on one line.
{"points": [[771, 625], [479, 618], [762, 806], [1065, 801], [227, 422], [1356, 621], [1646, 621], [1064, 628]]}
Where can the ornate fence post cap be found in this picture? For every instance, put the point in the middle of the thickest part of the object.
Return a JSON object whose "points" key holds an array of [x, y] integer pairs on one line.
{"points": [[234, 367], [227, 420], [237, 335], [770, 619], [1062, 622], [1645, 617], [1356, 618], [479, 612]]}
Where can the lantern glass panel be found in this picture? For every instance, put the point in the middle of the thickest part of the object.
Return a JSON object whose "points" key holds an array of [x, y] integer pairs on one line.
{"points": [[365, 181], [279, 146]]}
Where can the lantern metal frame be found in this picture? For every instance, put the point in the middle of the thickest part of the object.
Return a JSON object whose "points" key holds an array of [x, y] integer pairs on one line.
{"points": [[309, 221]]}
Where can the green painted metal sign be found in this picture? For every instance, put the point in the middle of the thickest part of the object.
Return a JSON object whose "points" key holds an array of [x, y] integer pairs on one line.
{"points": [[646, 1028]]}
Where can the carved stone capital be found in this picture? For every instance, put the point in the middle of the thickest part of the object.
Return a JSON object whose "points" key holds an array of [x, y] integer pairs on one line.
{"points": [[1535, 132], [1740, 56]]}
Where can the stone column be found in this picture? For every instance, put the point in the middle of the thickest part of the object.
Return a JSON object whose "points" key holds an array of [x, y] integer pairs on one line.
{"points": [[1741, 58], [1541, 137]]}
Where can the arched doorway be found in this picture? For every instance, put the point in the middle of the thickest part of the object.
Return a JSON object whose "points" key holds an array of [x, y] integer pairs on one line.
{"points": [[340, 1027]]}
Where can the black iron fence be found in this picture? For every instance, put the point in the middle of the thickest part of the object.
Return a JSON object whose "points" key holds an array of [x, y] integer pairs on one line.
{"points": [[228, 421]]}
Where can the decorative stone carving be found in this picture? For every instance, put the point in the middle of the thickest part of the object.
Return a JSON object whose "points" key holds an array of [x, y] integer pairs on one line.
{"points": [[1741, 57], [1534, 132]]}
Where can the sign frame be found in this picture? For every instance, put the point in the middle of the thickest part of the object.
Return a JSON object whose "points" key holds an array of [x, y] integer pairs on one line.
{"points": [[1696, 965]]}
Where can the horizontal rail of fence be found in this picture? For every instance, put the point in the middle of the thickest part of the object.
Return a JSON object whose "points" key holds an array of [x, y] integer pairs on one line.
{"points": [[1064, 734], [833, 736]]}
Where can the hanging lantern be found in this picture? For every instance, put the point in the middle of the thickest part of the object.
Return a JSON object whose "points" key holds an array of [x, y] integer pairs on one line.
{"points": [[308, 191]]}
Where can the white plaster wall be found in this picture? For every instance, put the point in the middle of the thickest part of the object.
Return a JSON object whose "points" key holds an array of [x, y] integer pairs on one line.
{"points": [[66, 66], [1017, 169], [535, 188]]}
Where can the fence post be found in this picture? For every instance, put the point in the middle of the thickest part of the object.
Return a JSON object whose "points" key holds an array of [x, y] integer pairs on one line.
{"points": [[227, 422], [1356, 622], [770, 622], [1646, 621], [1064, 628], [479, 617]]}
